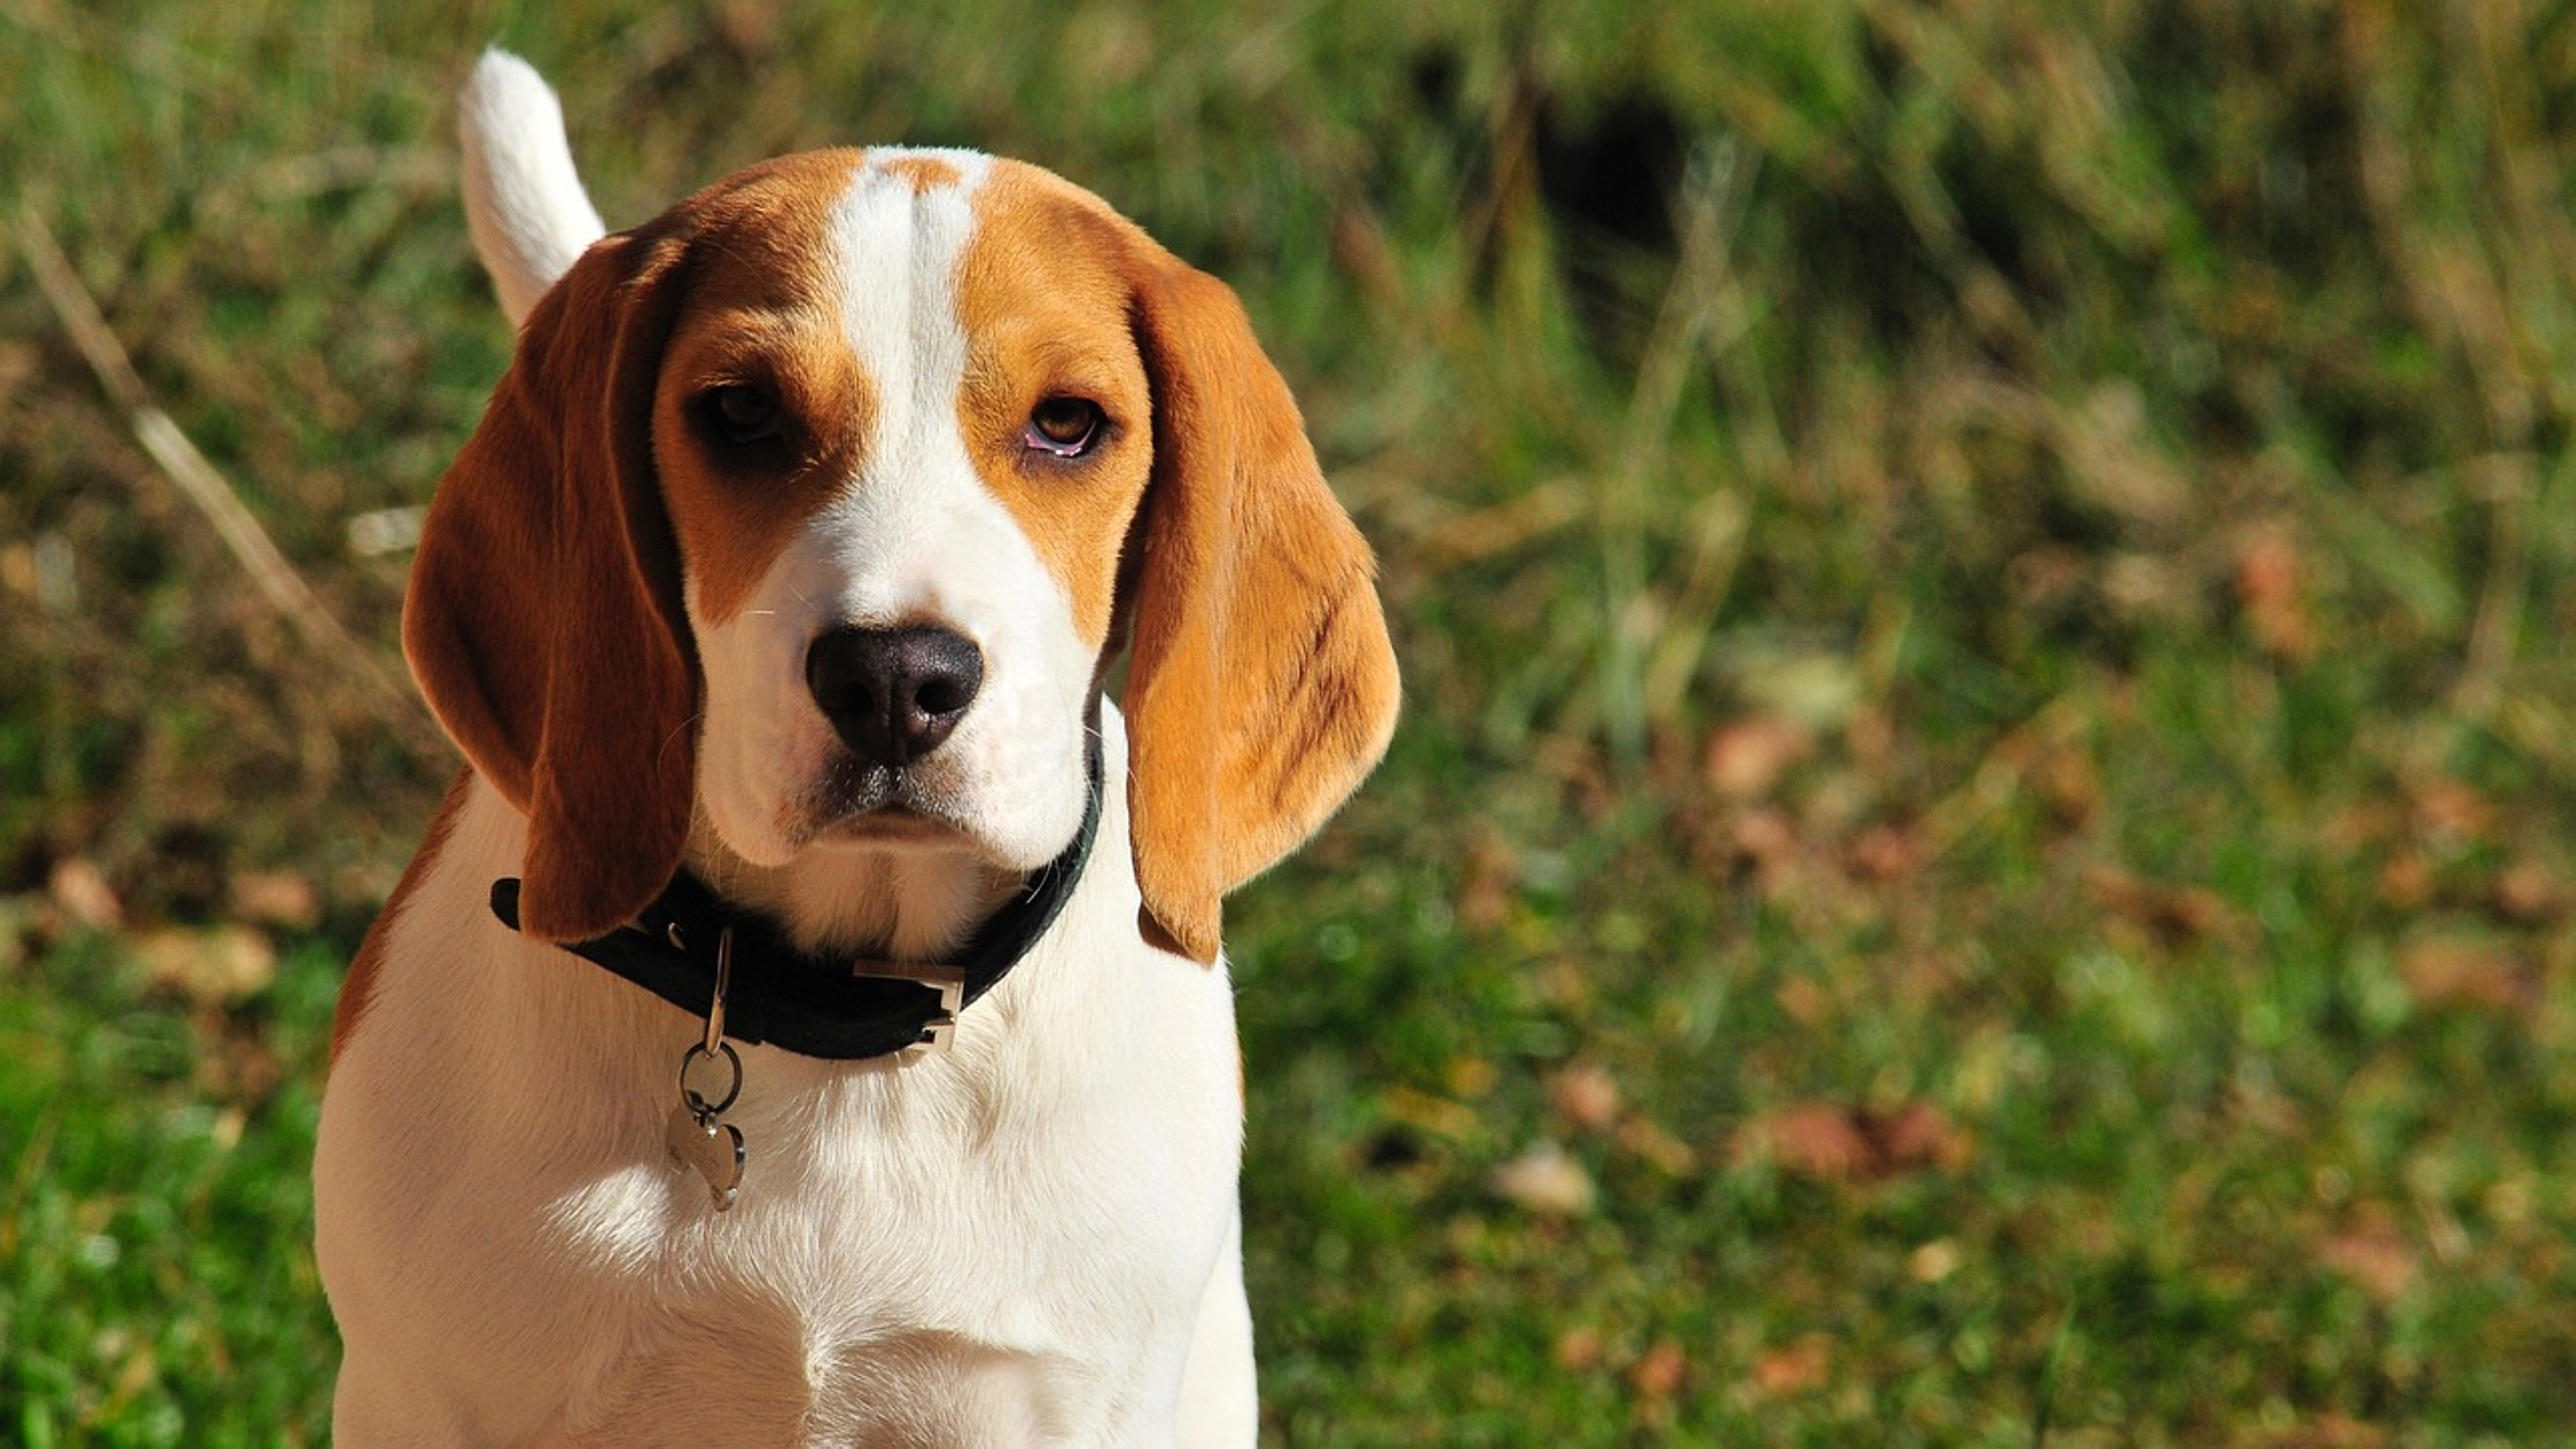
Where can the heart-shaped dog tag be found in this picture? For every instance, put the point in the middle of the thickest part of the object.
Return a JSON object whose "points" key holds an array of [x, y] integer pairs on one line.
{"points": [[710, 1146]]}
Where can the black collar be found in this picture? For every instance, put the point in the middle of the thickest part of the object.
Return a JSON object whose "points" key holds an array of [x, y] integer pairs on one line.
{"points": [[838, 1010]]}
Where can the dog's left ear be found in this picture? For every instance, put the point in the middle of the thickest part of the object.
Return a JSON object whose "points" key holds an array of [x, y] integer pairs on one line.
{"points": [[1262, 686]]}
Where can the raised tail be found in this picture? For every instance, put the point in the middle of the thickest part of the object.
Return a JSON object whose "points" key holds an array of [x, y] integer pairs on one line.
{"points": [[523, 200]]}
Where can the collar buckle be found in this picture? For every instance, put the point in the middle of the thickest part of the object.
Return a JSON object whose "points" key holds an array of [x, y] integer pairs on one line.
{"points": [[939, 1033]]}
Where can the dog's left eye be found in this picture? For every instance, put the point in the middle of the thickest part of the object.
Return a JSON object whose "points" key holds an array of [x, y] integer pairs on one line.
{"points": [[743, 413], [1064, 426]]}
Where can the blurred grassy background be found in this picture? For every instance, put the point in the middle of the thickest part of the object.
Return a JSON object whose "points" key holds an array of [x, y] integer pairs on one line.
{"points": [[1981, 849]]}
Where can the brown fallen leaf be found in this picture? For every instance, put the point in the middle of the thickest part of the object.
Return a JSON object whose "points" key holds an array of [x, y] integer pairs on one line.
{"points": [[1833, 1142], [1659, 1374], [1805, 1000], [1578, 1348], [1766, 837], [280, 898], [1915, 1136], [1817, 1139], [2406, 881], [1884, 854], [2529, 893], [2375, 1256], [2441, 972], [2271, 588], [2069, 784], [2171, 916], [2453, 814], [1586, 1096], [1745, 759], [80, 891], [216, 966], [1794, 1368]]}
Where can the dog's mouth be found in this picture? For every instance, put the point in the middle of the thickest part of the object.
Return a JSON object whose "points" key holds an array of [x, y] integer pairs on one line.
{"points": [[878, 804], [889, 824]]}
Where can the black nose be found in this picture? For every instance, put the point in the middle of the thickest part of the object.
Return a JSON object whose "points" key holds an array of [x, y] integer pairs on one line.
{"points": [[893, 694]]}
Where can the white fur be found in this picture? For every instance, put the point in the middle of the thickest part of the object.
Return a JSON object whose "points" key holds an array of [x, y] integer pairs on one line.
{"points": [[524, 201], [1032, 1239], [1026, 1241]]}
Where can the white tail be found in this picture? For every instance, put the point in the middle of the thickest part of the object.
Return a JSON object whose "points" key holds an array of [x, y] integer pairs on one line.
{"points": [[523, 200]]}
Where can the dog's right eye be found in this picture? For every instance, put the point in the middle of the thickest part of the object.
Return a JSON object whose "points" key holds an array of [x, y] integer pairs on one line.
{"points": [[742, 413]]}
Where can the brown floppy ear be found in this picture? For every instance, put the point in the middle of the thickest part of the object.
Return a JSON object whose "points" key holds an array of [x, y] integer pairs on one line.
{"points": [[1262, 686], [544, 620]]}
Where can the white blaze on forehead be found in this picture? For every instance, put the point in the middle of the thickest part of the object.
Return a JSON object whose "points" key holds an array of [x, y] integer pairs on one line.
{"points": [[899, 237], [898, 244]]}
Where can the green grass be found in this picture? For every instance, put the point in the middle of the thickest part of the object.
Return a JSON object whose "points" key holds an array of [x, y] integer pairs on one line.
{"points": [[1984, 593]]}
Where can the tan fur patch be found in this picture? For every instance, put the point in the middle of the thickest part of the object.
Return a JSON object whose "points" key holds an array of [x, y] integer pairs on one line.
{"points": [[1042, 295], [760, 313], [926, 173]]}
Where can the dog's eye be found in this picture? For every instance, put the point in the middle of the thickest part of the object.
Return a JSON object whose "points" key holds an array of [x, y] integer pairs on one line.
{"points": [[742, 413], [1063, 426]]}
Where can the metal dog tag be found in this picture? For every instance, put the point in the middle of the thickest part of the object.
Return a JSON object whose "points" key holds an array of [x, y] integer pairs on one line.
{"points": [[700, 1140], [697, 1133]]}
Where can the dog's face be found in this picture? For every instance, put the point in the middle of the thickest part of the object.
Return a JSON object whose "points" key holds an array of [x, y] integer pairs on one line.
{"points": [[814, 509], [916, 435]]}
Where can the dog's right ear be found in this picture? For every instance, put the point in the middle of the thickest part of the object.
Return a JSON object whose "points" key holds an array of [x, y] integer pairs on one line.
{"points": [[544, 619]]}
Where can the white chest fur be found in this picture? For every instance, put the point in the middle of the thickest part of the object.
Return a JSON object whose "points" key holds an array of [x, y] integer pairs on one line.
{"points": [[1010, 1243]]}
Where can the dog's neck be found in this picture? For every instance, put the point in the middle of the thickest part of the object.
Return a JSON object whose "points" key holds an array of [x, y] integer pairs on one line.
{"points": [[907, 904]]}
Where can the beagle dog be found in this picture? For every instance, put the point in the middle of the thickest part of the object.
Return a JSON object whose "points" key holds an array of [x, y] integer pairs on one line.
{"points": [[805, 1020]]}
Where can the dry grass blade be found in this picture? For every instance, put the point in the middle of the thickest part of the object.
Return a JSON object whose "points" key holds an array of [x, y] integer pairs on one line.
{"points": [[1654, 658], [198, 481]]}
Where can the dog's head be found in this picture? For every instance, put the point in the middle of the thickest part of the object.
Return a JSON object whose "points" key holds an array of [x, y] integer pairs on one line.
{"points": [[817, 508]]}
